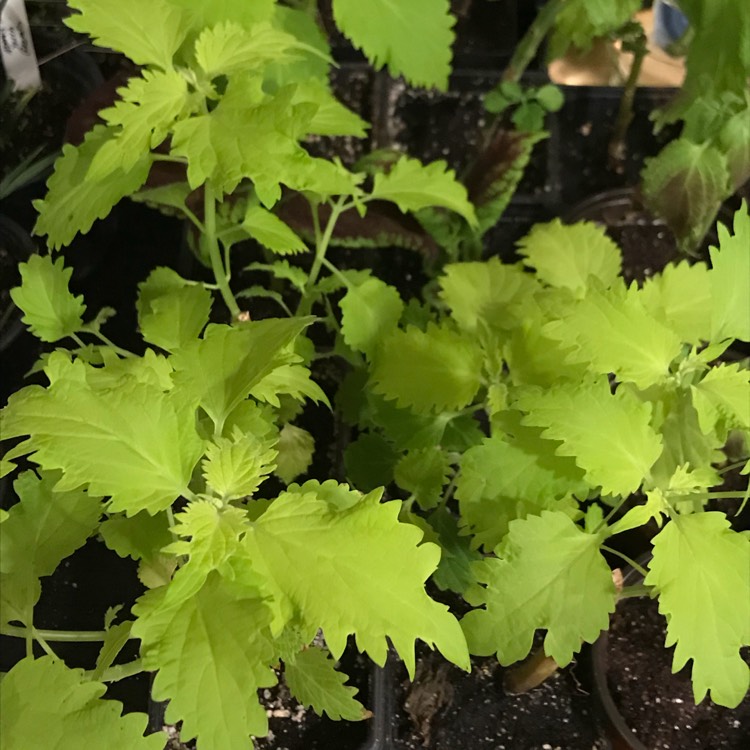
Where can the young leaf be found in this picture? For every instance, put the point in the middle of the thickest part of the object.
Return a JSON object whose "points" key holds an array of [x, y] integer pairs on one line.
{"points": [[502, 480], [235, 468], [424, 473], [50, 310], [355, 571], [369, 311], [171, 311], [436, 369], [331, 116], [455, 572], [386, 36], [701, 566], [149, 34], [140, 537], [223, 367], [686, 183], [272, 232], [40, 531], [723, 392], [136, 443], [289, 380], [680, 297], [140, 120], [568, 256], [66, 711], [412, 185], [730, 280], [227, 47], [295, 449], [314, 681], [492, 293], [282, 270], [548, 574], [600, 331], [213, 652], [617, 458], [73, 203]]}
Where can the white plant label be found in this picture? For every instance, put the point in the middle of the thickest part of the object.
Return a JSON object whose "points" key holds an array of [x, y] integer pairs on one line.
{"points": [[17, 47]]}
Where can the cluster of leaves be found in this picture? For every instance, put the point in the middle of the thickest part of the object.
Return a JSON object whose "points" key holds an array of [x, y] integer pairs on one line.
{"points": [[235, 582], [578, 407]]}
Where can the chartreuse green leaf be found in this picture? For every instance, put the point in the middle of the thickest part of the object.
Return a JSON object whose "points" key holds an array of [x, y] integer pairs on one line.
{"points": [[730, 280], [235, 467], [140, 537], [617, 458], [272, 232], [685, 183], [701, 572], [228, 47], [140, 120], [46, 704], [50, 310], [502, 480], [369, 311], [150, 34], [354, 570], [73, 203], [40, 531], [221, 369], [492, 292], [331, 116], [723, 393], [171, 311], [213, 651], [412, 185], [435, 369], [295, 452], [548, 574], [314, 681], [291, 380], [599, 331], [386, 36], [134, 443], [579, 22], [569, 256], [241, 12], [680, 297], [424, 473]]}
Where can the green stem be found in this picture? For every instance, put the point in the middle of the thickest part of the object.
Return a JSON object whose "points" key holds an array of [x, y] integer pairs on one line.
{"points": [[321, 247], [43, 643], [56, 636], [725, 495], [532, 40], [119, 350], [632, 591], [214, 252], [618, 143], [78, 340], [628, 560], [197, 223]]}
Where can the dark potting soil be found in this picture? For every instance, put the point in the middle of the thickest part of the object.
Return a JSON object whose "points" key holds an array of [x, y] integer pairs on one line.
{"points": [[657, 705]]}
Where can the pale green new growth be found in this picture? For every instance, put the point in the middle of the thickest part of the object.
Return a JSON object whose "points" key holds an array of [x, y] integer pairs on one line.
{"points": [[66, 712], [430, 370], [295, 452], [368, 312], [423, 473], [50, 311], [354, 570], [701, 571], [313, 680], [40, 531], [213, 651], [386, 35], [549, 574], [171, 311], [272, 232], [569, 256], [723, 393], [617, 459]]}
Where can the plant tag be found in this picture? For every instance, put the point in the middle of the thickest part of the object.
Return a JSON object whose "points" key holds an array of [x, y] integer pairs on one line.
{"points": [[17, 47]]}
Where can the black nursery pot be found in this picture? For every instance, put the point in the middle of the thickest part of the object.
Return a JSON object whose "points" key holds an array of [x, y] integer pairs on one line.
{"points": [[642, 705]]}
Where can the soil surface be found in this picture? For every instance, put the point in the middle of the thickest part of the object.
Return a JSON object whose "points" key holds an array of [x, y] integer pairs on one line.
{"points": [[657, 705]]}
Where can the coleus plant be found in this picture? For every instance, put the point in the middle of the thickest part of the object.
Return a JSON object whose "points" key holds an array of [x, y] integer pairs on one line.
{"points": [[162, 454], [606, 408]]}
